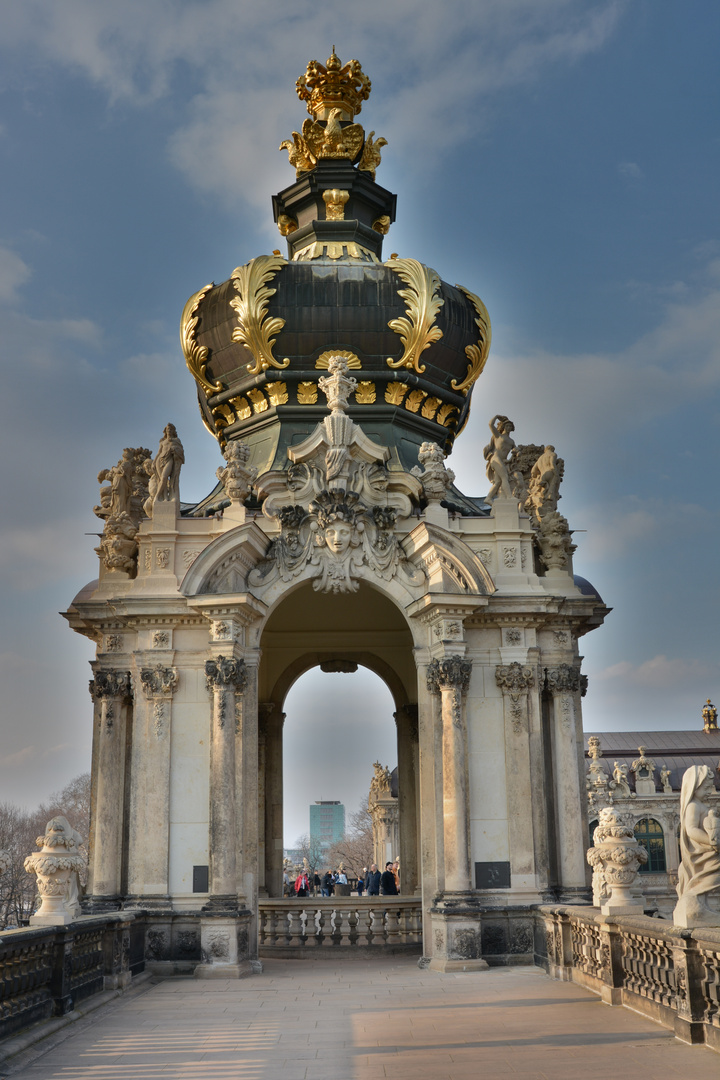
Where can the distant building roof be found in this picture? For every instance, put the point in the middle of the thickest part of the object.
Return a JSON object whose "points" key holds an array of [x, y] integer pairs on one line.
{"points": [[675, 750]]}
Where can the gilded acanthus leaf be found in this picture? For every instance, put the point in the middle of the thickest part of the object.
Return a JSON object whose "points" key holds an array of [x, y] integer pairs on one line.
{"points": [[196, 355], [418, 331], [476, 354], [254, 328]]}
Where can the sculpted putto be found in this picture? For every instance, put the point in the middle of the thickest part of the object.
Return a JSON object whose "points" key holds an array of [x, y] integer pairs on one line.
{"points": [[699, 872]]}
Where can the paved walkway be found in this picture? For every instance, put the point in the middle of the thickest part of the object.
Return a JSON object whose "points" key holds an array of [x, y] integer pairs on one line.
{"points": [[360, 1020]]}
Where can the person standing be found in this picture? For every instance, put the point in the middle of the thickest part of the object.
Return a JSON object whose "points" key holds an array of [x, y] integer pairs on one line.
{"points": [[373, 881], [387, 881], [361, 881]]}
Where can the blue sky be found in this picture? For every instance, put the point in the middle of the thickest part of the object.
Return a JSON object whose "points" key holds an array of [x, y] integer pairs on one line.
{"points": [[559, 157]]}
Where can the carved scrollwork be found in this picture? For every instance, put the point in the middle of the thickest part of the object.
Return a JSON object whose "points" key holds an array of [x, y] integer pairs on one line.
{"points": [[563, 679], [196, 356], [226, 673], [476, 354], [254, 329], [159, 681], [418, 331], [111, 684], [514, 680]]}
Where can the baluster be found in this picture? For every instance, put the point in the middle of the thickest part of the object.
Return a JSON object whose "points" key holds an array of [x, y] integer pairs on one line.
{"points": [[353, 921], [342, 921], [263, 936], [404, 924], [393, 926], [377, 929], [295, 929], [273, 925], [363, 925], [321, 937]]}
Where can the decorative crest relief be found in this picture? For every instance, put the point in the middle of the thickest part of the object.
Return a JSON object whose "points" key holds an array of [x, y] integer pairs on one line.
{"points": [[476, 354], [336, 504], [418, 331], [337, 85], [196, 356]]}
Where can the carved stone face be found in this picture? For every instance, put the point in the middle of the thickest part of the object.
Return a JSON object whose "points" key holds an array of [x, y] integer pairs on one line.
{"points": [[338, 537]]}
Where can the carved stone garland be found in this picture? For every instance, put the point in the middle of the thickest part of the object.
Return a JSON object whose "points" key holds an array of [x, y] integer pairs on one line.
{"points": [[159, 684], [515, 680]]}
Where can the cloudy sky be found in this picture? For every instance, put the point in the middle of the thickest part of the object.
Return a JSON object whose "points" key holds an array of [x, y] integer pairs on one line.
{"points": [[558, 157]]}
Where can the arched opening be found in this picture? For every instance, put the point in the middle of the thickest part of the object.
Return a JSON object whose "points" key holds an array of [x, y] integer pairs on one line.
{"points": [[649, 833], [591, 829], [337, 636]]}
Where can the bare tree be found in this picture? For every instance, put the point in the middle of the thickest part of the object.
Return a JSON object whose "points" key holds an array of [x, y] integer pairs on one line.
{"points": [[355, 850]]}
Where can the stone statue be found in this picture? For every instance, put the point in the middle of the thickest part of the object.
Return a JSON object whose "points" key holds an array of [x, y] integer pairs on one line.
{"points": [[164, 471], [126, 490], [665, 780], [553, 537], [237, 477], [379, 785], [434, 476], [545, 483], [699, 872], [57, 867], [496, 454], [621, 787], [118, 547]]}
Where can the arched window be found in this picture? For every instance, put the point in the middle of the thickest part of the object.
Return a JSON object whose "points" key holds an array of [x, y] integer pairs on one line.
{"points": [[592, 827], [649, 833]]}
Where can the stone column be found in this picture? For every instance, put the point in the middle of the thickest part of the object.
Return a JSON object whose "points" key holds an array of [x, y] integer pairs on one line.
{"points": [[407, 742], [271, 719], [564, 682], [225, 677], [246, 781], [149, 836], [515, 680], [450, 679], [112, 689]]}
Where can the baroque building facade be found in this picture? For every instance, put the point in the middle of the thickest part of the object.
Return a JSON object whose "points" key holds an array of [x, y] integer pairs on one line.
{"points": [[335, 384]]}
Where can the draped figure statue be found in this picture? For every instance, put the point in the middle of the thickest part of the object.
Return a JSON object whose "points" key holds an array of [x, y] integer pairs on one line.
{"points": [[699, 871]]}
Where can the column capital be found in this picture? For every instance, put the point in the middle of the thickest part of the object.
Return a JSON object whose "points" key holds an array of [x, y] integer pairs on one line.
{"points": [[515, 680], [226, 673], [450, 673], [565, 679], [159, 681], [108, 683]]}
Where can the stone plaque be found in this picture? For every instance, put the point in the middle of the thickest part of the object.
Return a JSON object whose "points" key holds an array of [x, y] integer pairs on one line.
{"points": [[492, 875], [200, 878]]}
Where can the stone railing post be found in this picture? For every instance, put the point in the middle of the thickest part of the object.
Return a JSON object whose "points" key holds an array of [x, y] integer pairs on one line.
{"points": [[450, 678], [150, 795], [564, 682], [225, 677], [111, 692]]}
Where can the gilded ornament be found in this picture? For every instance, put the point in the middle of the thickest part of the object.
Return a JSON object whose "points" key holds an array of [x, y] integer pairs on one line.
{"points": [[196, 356], [335, 200], [298, 151], [277, 392], [326, 88], [259, 401], [444, 415], [251, 303], [430, 407], [307, 393], [414, 400], [418, 331], [365, 393], [205, 423], [324, 359], [476, 354], [382, 224], [318, 250], [371, 154], [330, 140], [224, 415], [286, 224], [395, 392], [241, 407]]}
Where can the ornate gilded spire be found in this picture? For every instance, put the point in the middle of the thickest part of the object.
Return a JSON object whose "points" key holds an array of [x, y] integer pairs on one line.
{"points": [[336, 86]]}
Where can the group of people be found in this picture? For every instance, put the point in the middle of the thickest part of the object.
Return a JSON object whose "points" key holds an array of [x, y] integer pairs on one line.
{"points": [[373, 883]]}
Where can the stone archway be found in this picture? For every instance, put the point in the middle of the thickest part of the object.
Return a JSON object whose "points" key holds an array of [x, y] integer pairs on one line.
{"points": [[307, 629]]}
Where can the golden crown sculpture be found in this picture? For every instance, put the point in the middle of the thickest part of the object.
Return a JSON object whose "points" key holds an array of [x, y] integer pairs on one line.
{"points": [[337, 86]]}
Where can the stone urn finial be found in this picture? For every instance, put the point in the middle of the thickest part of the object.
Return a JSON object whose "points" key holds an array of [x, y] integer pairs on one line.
{"points": [[57, 866], [615, 859]]}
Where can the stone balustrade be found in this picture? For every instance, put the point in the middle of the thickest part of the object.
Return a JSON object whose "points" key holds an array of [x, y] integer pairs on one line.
{"points": [[49, 971], [316, 925], [668, 973]]}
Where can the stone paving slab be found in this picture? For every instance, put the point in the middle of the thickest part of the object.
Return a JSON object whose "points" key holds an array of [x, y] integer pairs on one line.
{"points": [[364, 1020]]}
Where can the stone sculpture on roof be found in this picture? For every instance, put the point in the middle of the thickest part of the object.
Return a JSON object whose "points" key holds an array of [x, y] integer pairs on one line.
{"points": [[699, 872]]}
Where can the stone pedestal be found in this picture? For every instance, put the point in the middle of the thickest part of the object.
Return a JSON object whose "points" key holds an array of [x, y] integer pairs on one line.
{"points": [[456, 934], [224, 945]]}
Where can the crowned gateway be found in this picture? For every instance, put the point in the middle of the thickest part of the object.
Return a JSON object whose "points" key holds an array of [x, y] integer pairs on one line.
{"points": [[335, 383]]}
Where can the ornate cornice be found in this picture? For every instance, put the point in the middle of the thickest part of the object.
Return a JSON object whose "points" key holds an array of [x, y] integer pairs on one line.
{"points": [[451, 673], [225, 673]]}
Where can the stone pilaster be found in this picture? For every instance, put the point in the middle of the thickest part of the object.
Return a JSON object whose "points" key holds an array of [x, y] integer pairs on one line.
{"points": [[407, 740], [515, 681], [270, 721], [226, 677], [148, 839], [565, 684], [111, 692], [450, 678]]}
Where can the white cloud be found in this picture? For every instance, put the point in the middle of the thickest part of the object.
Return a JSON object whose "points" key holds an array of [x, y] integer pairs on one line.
{"points": [[13, 274], [630, 170], [659, 672]]}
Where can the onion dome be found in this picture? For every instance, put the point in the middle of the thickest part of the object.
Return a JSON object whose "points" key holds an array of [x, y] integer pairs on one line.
{"points": [[258, 343]]}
